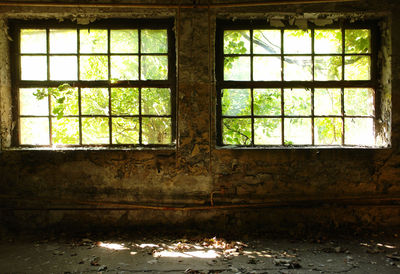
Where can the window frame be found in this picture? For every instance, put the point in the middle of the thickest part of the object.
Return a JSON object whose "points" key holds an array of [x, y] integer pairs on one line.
{"points": [[108, 24], [373, 83]]}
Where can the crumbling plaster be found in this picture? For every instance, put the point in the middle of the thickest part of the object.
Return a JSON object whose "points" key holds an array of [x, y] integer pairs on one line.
{"points": [[333, 187]]}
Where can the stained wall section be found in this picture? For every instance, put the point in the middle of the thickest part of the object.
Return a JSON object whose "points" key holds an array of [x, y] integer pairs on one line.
{"points": [[198, 184]]}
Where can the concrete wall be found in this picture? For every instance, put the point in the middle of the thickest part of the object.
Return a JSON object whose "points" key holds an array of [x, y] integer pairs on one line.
{"points": [[272, 189]]}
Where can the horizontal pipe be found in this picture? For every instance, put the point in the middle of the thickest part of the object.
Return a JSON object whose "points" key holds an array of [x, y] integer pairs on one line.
{"points": [[170, 6], [94, 205]]}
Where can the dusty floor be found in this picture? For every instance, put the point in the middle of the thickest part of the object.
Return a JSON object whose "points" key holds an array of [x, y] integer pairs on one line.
{"points": [[120, 253]]}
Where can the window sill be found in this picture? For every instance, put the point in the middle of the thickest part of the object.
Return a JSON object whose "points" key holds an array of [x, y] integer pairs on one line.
{"points": [[303, 147], [93, 148]]}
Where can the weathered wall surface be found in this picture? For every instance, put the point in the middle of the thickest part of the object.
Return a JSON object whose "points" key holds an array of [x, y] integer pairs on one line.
{"points": [[221, 188]]}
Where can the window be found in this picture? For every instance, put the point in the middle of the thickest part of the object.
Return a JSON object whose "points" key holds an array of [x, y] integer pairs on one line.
{"points": [[284, 86], [108, 83]]}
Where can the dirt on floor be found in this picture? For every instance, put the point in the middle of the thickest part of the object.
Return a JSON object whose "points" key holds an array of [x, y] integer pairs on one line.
{"points": [[157, 253]]}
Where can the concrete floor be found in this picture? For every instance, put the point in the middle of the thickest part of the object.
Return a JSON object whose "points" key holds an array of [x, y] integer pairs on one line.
{"points": [[120, 253]]}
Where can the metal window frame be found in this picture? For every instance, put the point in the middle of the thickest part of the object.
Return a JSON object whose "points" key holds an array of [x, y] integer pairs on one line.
{"points": [[251, 25], [107, 24]]}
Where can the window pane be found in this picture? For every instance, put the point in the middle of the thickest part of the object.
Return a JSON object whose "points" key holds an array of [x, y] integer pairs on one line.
{"points": [[236, 131], [34, 131], [124, 67], [156, 130], [125, 130], [66, 103], [125, 101], [297, 131], [357, 68], [297, 41], [93, 67], [93, 41], [236, 102], [267, 131], [33, 68], [328, 41], [237, 68], [327, 102], [328, 131], [267, 101], [359, 131], [359, 101], [63, 68], [297, 102], [297, 68], [236, 41], [327, 68], [29, 104], [267, 41], [154, 68], [63, 41], [65, 131], [156, 101], [33, 41], [267, 68], [154, 41], [94, 101], [357, 41], [95, 131], [124, 41]]}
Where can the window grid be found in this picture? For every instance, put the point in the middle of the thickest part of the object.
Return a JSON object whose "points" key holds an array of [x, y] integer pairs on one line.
{"points": [[168, 83], [282, 84]]}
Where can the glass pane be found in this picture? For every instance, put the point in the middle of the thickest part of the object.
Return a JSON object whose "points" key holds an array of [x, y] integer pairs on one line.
{"points": [[125, 130], [65, 131], [267, 41], [327, 68], [29, 104], [33, 41], [63, 41], [236, 131], [94, 101], [33, 68], [236, 41], [297, 68], [357, 68], [156, 101], [327, 102], [297, 41], [154, 41], [93, 41], [95, 131], [328, 41], [267, 68], [156, 130], [93, 67], [154, 68], [237, 68], [125, 101], [328, 131], [298, 131], [63, 68], [124, 41], [359, 131], [34, 131], [297, 102], [359, 101], [267, 101], [267, 131], [236, 102], [66, 103], [124, 67], [357, 41]]}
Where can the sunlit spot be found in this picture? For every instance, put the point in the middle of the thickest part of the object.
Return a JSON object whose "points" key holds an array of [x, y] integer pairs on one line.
{"points": [[387, 246], [113, 246], [147, 245], [133, 253], [209, 254]]}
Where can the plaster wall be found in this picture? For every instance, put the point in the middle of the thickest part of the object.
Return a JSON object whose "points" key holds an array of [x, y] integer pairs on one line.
{"points": [[199, 184]]}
